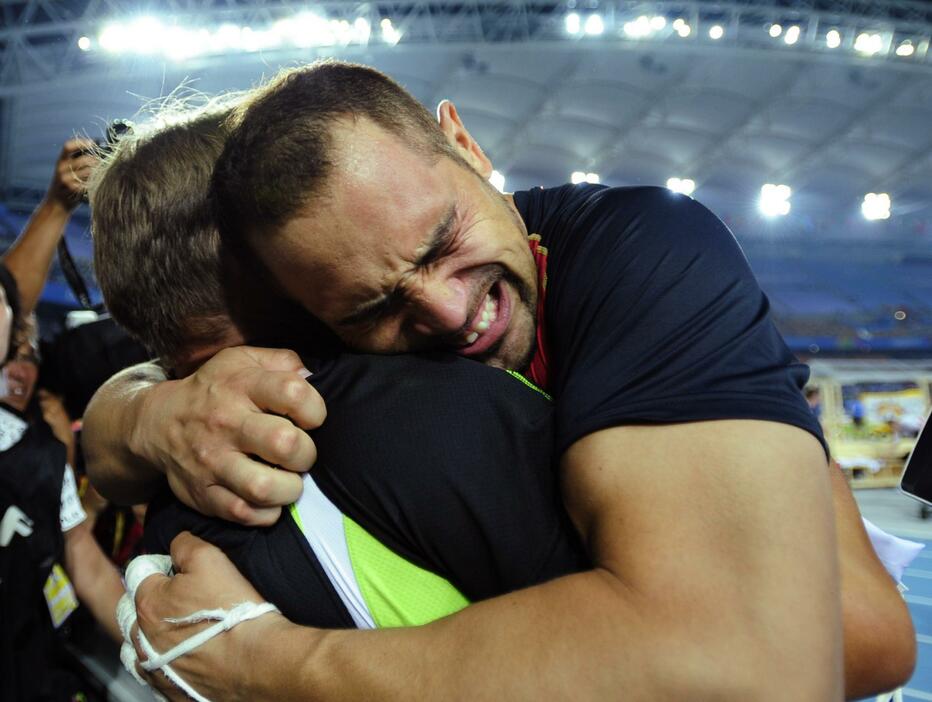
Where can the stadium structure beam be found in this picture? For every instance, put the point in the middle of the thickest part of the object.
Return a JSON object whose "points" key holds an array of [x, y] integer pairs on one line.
{"points": [[907, 169], [876, 106], [519, 136], [36, 35], [706, 161], [614, 146]]}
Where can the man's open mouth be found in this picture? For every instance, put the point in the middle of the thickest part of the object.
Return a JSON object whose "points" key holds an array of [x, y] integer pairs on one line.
{"points": [[489, 323]]}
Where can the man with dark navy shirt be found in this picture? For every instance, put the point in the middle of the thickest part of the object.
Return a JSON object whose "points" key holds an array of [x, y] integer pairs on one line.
{"points": [[697, 483]]}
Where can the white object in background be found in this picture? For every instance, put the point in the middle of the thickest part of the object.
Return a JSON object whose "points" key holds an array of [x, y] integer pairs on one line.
{"points": [[895, 553]]}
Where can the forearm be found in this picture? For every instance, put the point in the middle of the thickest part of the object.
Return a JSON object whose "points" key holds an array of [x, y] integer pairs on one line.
{"points": [[30, 256], [567, 639], [880, 643], [96, 580], [115, 463]]}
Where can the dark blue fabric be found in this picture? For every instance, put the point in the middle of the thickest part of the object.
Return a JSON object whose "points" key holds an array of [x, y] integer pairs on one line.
{"points": [[653, 315]]}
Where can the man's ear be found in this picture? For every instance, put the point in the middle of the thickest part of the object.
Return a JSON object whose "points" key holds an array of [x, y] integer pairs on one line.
{"points": [[461, 140]]}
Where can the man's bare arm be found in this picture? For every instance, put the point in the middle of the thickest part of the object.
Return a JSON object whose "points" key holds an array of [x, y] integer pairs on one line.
{"points": [[31, 254], [96, 581], [716, 578], [880, 642], [200, 432]]}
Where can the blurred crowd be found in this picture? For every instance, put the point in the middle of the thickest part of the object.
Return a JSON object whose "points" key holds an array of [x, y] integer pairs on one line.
{"points": [[61, 543]]}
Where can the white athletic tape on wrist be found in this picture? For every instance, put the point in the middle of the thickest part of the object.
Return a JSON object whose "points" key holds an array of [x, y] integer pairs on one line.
{"points": [[138, 570]]}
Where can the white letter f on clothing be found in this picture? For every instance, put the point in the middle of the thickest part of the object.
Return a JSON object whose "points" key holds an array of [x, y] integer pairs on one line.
{"points": [[14, 521]]}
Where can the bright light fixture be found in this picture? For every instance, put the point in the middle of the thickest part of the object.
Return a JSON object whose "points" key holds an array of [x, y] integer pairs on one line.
{"points": [[390, 35], [639, 28], [775, 30], [792, 35], [905, 49], [876, 206], [717, 31], [681, 27], [581, 177], [363, 29], [573, 23], [594, 25], [833, 39], [498, 180], [658, 22], [685, 186], [775, 200], [84, 43], [150, 36], [868, 44]]}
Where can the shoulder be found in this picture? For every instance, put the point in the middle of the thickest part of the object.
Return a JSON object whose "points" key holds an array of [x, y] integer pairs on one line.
{"points": [[581, 225]]}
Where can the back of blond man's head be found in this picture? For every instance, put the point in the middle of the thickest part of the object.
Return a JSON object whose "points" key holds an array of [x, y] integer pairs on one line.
{"points": [[156, 243]]}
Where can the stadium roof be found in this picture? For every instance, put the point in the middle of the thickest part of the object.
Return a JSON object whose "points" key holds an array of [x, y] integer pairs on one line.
{"points": [[732, 95]]}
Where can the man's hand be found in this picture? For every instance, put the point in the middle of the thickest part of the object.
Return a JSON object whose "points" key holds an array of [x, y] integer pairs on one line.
{"points": [[72, 170], [204, 579], [210, 432], [30, 256]]}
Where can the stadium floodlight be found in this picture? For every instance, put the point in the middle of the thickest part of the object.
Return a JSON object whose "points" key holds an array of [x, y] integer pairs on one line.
{"points": [[684, 186], [363, 30], [581, 177], [775, 30], [681, 27], [658, 22], [390, 35], [905, 49], [717, 31], [639, 28], [868, 44], [833, 39], [876, 206], [498, 181], [775, 200], [792, 35], [573, 23], [84, 43], [594, 25]]}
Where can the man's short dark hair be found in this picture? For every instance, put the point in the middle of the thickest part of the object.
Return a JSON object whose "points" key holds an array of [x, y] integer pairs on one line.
{"points": [[156, 244], [279, 154]]}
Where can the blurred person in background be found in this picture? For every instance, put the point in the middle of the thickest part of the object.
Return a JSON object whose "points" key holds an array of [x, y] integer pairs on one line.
{"points": [[49, 560], [30, 256]]}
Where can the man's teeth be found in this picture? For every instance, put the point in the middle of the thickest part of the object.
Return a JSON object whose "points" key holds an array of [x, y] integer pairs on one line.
{"points": [[489, 315]]}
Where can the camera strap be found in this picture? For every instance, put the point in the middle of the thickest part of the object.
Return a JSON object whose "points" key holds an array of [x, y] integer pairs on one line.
{"points": [[73, 275]]}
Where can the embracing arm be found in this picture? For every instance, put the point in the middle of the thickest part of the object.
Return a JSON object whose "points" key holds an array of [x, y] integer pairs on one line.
{"points": [[114, 468], [200, 432], [714, 579], [880, 642]]}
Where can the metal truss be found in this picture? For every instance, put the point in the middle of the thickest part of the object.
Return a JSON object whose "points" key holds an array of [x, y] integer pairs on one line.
{"points": [[38, 38]]}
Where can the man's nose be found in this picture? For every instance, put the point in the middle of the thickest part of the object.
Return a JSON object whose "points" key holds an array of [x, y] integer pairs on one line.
{"points": [[439, 305]]}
